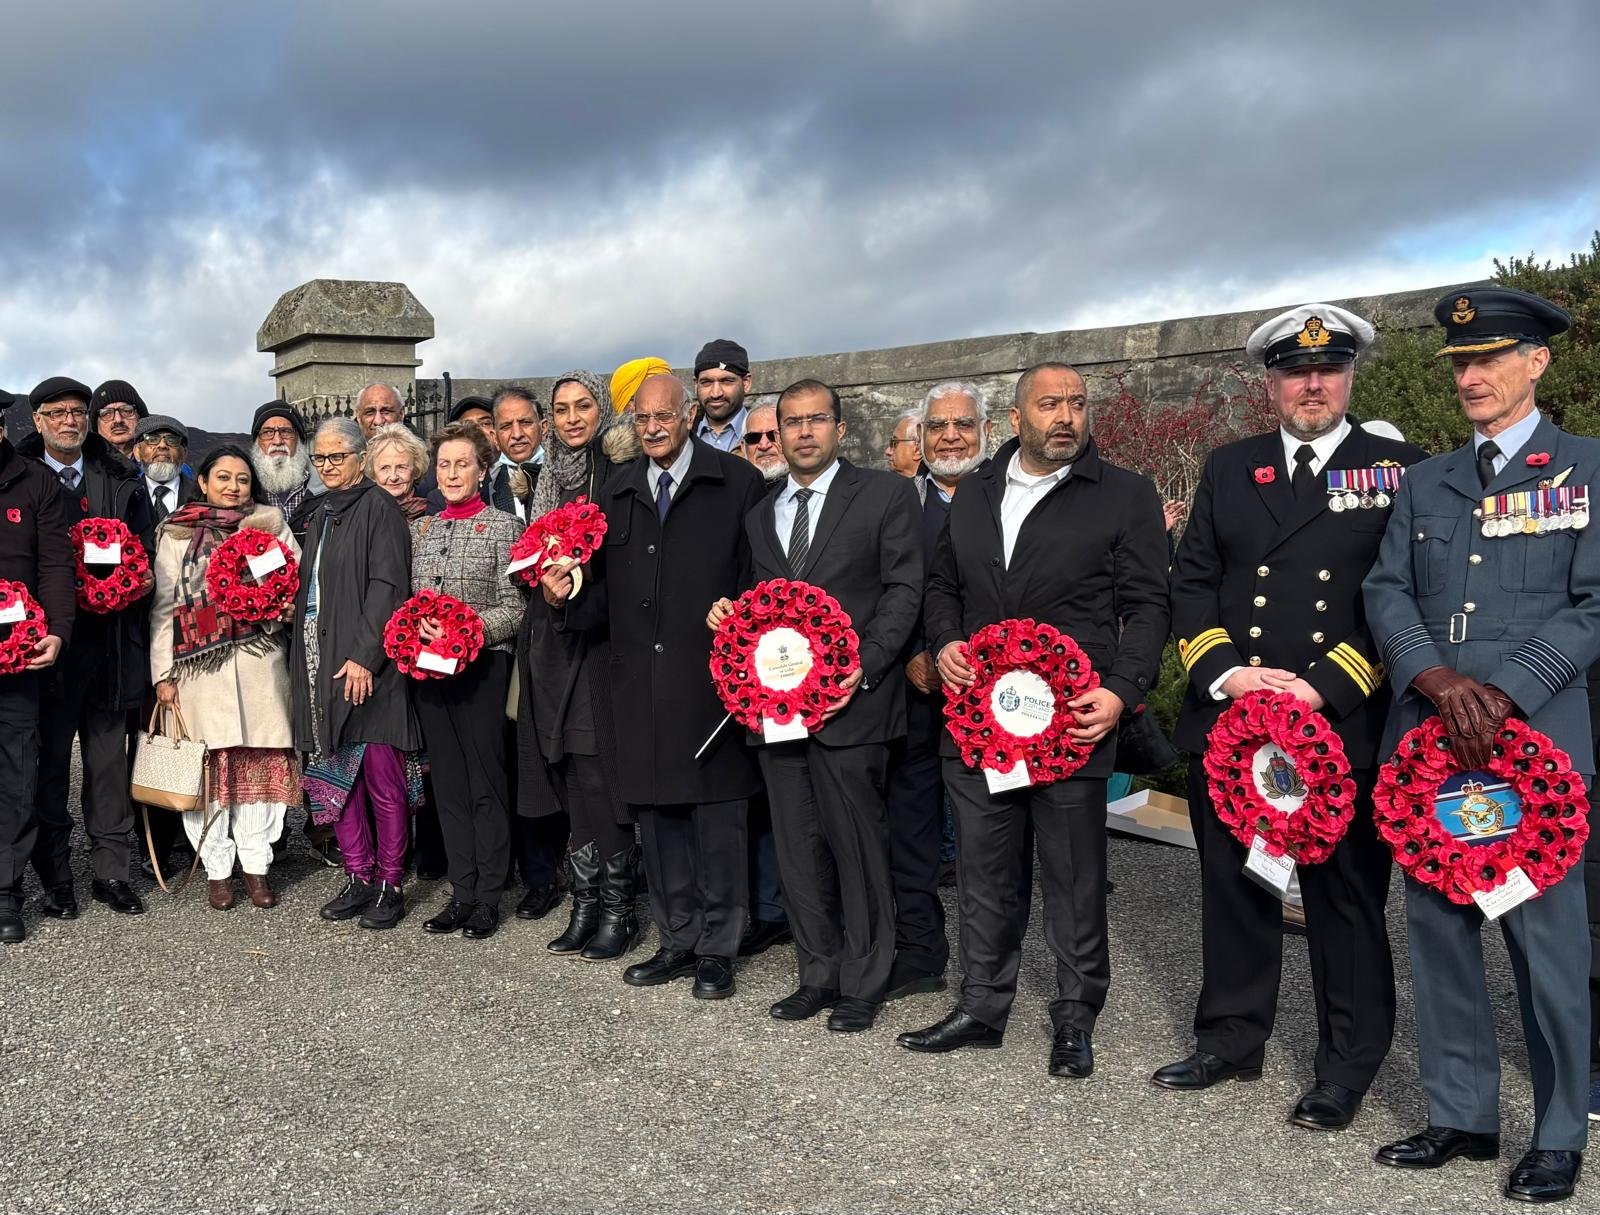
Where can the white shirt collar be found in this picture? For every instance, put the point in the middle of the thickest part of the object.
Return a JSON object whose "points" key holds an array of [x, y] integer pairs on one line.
{"points": [[1513, 438], [679, 469], [818, 488], [1015, 475], [1324, 447], [56, 465]]}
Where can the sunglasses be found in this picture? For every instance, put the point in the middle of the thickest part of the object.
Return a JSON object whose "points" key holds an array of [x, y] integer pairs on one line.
{"points": [[752, 437]]}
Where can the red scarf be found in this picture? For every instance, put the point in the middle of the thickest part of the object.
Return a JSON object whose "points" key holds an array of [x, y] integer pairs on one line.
{"points": [[463, 510]]}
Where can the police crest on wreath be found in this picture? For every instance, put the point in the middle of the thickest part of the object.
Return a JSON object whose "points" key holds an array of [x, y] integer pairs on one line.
{"points": [[1279, 778]]}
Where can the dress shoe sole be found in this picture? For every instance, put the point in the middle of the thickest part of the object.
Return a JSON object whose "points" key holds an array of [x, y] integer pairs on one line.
{"points": [[610, 957], [1071, 1073], [118, 909], [846, 1029], [975, 1044], [1514, 1196], [439, 930], [1246, 1076], [917, 987], [59, 913], [659, 980], [796, 1017], [1312, 1124], [1419, 1165], [713, 993]]}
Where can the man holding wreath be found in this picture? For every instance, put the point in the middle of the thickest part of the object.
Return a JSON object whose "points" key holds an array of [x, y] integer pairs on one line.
{"points": [[1045, 531]]}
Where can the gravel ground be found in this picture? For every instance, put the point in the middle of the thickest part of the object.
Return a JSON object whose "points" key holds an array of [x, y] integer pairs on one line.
{"points": [[253, 1061]]}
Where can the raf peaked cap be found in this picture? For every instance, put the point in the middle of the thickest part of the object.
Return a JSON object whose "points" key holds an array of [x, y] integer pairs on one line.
{"points": [[1477, 320], [158, 422], [58, 386], [466, 403], [724, 355], [1311, 333]]}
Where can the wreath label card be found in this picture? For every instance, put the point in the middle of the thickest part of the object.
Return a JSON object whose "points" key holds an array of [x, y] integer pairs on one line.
{"points": [[1004, 780], [265, 563], [427, 660], [13, 613], [1023, 703], [1518, 888], [1273, 872], [783, 659], [102, 554]]}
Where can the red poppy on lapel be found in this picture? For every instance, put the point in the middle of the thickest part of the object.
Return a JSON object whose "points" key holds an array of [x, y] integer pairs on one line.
{"points": [[481, 527], [1538, 459], [84, 503], [14, 515], [1266, 475]]}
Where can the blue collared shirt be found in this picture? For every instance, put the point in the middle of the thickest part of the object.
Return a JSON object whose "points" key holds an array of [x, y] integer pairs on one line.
{"points": [[731, 436], [1510, 441]]}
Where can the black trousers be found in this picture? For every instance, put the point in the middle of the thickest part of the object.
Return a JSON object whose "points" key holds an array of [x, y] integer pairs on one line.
{"points": [[694, 858], [1241, 930], [915, 798], [1591, 889], [832, 829], [65, 711], [1066, 821], [19, 779], [463, 724], [766, 883], [590, 804]]}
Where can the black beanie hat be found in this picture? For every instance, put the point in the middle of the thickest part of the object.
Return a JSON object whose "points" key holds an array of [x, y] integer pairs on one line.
{"points": [[278, 409], [116, 392]]}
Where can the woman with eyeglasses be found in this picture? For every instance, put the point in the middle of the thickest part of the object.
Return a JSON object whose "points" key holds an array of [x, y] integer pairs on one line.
{"points": [[352, 709]]}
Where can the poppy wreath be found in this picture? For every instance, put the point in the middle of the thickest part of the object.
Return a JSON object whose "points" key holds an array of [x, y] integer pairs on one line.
{"points": [[402, 636], [780, 603], [17, 648], [570, 532], [1020, 645], [1316, 765], [234, 589], [128, 582], [1544, 844]]}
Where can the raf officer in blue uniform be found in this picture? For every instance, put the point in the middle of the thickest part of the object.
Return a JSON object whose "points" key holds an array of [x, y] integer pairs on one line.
{"points": [[1479, 620]]}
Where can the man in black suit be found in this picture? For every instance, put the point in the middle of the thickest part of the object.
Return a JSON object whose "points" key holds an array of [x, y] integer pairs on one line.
{"points": [[1266, 595], [162, 447], [854, 533], [1046, 531], [519, 430]]}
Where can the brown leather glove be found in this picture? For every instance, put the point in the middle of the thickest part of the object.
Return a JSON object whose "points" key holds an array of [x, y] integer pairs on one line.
{"points": [[1476, 751], [1472, 712]]}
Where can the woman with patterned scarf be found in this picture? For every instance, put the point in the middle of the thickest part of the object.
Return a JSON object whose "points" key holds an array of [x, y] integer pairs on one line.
{"points": [[229, 678]]}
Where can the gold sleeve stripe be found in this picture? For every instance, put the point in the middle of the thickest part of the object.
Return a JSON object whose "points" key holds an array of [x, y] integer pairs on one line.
{"points": [[1201, 646], [1374, 672], [1361, 672]]}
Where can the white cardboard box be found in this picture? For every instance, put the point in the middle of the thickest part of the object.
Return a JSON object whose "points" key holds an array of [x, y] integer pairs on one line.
{"points": [[1153, 815]]}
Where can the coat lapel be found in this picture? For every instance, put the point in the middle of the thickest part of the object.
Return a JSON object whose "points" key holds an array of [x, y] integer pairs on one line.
{"points": [[845, 483], [1276, 495], [1517, 474]]}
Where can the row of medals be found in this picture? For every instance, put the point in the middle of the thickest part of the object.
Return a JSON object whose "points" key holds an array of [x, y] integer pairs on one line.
{"points": [[1362, 488], [1535, 515]]}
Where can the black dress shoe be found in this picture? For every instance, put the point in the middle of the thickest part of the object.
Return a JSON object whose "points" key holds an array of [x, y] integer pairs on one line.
{"points": [[1435, 1146], [118, 896], [1327, 1107], [482, 923], [910, 981], [59, 903], [663, 966], [11, 929], [538, 902], [1545, 1176], [1201, 1070], [804, 1003], [713, 979], [852, 1016], [762, 935], [1072, 1053], [958, 1029], [455, 914]]}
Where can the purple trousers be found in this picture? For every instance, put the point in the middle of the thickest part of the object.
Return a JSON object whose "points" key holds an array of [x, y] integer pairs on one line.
{"points": [[376, 809]]}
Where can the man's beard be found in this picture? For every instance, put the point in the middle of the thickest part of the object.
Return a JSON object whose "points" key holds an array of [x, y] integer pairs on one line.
{"points": [[280, 474], [161, 471], [955, 469], [776, 471]]}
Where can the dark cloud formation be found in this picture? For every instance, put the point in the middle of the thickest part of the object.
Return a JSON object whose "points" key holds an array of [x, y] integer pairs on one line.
{"points": [[580, 183]]}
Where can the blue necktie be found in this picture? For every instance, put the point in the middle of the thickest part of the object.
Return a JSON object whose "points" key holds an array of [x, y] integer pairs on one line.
{"points": [[664, 495]]}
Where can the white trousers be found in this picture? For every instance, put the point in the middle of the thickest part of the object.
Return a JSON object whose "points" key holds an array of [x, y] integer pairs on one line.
{"points": [[244, 831]]}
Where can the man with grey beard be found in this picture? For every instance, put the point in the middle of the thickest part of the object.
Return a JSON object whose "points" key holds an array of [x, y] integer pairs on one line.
{"points": [[759, 443], [954, 433], [162, 445], [283, 466]]}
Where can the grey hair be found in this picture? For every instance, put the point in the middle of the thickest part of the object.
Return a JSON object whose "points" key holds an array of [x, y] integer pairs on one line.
{"points": [[390, 388], [955, 388], [398, 434], [346, 429], [909, 415]]}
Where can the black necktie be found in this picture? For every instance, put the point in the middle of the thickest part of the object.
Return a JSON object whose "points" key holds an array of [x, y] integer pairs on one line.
{"points": [[162, 509], [1486, 458], [1304, 481], [800, 533]]}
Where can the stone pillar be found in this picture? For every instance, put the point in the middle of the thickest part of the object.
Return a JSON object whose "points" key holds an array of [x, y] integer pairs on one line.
{"points": [[332, 337]]}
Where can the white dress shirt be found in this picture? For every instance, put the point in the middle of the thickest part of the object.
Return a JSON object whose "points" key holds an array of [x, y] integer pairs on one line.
{"points": [[679, 470], [1510, 441], [1024, 491], [783, 509], [172, 492]]}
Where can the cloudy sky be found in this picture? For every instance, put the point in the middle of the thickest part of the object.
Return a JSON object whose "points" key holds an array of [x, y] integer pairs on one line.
{"points": [[573, 184]]}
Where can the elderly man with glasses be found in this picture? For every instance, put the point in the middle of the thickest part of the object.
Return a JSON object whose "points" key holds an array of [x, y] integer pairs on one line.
{"points": [[162, 446], [114, 410]]}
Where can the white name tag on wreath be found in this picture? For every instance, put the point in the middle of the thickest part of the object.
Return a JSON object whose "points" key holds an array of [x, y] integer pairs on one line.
{"points": [[264, 563], [1023, 704], [1017, 778], [1518, 888], [783, 659], [522, 563], [430, 661], [1276, 780], [1273, 872], [15, 614], [102, 554]]}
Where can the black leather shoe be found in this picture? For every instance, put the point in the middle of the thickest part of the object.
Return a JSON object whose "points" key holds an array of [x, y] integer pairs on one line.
{"points": [[1436, 1146], [804, 1003], [713, 979], [1201, 1070], [1545, 1176], [118, 896], [455, 914], [1327, 1107], [1072, 1053], [852, 1016], [663, 966], [11, 929], [539, 902], [482, 923], [59, 903], [909, 981], [762, 935], [958, 1029]]}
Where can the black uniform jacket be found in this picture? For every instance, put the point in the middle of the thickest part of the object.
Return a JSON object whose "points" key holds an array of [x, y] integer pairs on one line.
{"points": [[1262, 580], [1090, 559], [866, 551], [34, 549]]}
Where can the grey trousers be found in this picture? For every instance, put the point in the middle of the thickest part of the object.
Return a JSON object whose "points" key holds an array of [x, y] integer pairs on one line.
{"points": [[1548, 939]]}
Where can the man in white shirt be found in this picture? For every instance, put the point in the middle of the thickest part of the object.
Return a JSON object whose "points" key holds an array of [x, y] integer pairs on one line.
{"points": [[162, 445]]}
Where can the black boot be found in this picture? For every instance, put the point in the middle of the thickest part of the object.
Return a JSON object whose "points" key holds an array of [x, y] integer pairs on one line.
{"points": [[619, 926], [583, 880], [351, 901], [386, 910]]}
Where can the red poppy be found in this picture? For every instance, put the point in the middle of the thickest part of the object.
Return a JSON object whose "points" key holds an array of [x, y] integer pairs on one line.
{"points": [[809, 611], [1538, 459], [402, 636], [1266, 475], [128, 581], [17, 648], [14, 515], [570, 531]]}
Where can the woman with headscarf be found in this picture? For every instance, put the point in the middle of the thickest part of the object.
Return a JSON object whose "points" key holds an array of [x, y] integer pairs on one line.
{"points": [[566, 740], [352, 709], [229, 678]]}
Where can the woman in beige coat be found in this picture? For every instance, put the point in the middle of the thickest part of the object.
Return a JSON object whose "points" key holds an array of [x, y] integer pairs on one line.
{"points": [[229, 678]]}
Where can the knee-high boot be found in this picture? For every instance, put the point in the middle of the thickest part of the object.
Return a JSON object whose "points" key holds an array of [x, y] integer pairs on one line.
{"points": [[619, 924], [583, 880]]}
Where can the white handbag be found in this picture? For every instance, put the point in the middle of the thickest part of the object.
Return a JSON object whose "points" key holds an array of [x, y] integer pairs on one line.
{"points": [[168, 767]]}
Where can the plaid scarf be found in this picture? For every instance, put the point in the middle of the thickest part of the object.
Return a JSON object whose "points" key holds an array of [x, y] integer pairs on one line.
{"points": [[204, 636]]}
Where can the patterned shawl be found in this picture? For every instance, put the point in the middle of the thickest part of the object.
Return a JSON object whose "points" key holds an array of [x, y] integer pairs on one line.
{"points": [[203, 636]]}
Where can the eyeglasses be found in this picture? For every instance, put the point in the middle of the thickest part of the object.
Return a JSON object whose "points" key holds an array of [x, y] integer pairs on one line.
{"points": [[812, 421], [752, 437], [644, 421], [892, 442], [332, 459], [74, 413], [118, 411], [275, 432], [165, 439], [939, 425]]}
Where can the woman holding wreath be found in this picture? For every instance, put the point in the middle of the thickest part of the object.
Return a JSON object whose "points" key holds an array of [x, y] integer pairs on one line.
{"points": [[463, 551], [229, 678]]}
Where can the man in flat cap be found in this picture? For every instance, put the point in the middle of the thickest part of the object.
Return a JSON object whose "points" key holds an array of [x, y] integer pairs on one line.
{"points": [[162, 445], [1266, 596], [1485, 600], [102, 674], [283, 465], [114, 410], [721, 380]]}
